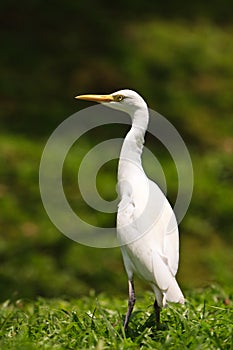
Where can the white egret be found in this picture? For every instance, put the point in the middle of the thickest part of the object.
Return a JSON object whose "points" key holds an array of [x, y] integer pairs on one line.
{"points": [[146, 226]]}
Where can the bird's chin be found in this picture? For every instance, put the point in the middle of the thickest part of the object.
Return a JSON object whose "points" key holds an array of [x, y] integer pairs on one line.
{"points": [[116, 106], [112, 104]]}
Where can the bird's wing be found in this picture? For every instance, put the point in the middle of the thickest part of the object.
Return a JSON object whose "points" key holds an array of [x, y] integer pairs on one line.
{"points": [[165, 230], [171, 249], [152, 233]]}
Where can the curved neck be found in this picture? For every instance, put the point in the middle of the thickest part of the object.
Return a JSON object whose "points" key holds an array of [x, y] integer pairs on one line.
{"points": [[133, 144]]}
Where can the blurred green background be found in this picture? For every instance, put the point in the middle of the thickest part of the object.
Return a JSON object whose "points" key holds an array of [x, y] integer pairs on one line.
{"points": [[179, 56]]}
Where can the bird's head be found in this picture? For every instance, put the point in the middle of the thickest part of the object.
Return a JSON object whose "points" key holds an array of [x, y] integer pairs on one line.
{"points": [[124, 100]]}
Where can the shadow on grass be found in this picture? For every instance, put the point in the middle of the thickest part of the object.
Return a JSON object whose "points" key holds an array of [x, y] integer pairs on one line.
{"points": [[136, 332]]}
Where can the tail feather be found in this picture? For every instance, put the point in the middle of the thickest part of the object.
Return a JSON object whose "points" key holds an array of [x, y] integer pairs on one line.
{"points": [[173, 293], [166, 282]]}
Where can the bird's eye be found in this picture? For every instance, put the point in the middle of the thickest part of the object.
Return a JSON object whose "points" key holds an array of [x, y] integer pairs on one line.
{"points": [[118, 98]]}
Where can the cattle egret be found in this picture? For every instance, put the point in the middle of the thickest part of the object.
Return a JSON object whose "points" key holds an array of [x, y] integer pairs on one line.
{"points": [[146, 226]]}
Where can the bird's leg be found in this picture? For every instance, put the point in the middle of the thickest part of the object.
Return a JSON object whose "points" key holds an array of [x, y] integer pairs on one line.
{"points": [[157, 314], [131, 303]]}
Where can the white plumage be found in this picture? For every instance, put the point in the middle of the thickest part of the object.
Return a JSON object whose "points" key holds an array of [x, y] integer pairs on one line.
{"points": [[146, 225]]}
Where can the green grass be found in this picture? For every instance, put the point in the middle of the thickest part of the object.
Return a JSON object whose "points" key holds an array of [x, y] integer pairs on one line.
{"points": [[95, 322]]}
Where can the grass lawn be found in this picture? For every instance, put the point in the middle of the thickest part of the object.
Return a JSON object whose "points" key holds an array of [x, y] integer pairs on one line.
{"points": [[95, 322]]}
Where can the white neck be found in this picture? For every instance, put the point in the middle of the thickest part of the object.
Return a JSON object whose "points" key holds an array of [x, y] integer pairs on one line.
{"points": [[133, 144]]}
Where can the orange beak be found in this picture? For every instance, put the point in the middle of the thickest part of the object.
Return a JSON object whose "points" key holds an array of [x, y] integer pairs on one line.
{"points": [[96, 98]]}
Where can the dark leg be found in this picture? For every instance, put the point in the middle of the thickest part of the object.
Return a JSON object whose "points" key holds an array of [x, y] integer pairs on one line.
{"points": [[157, 313], [131, 303]]}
